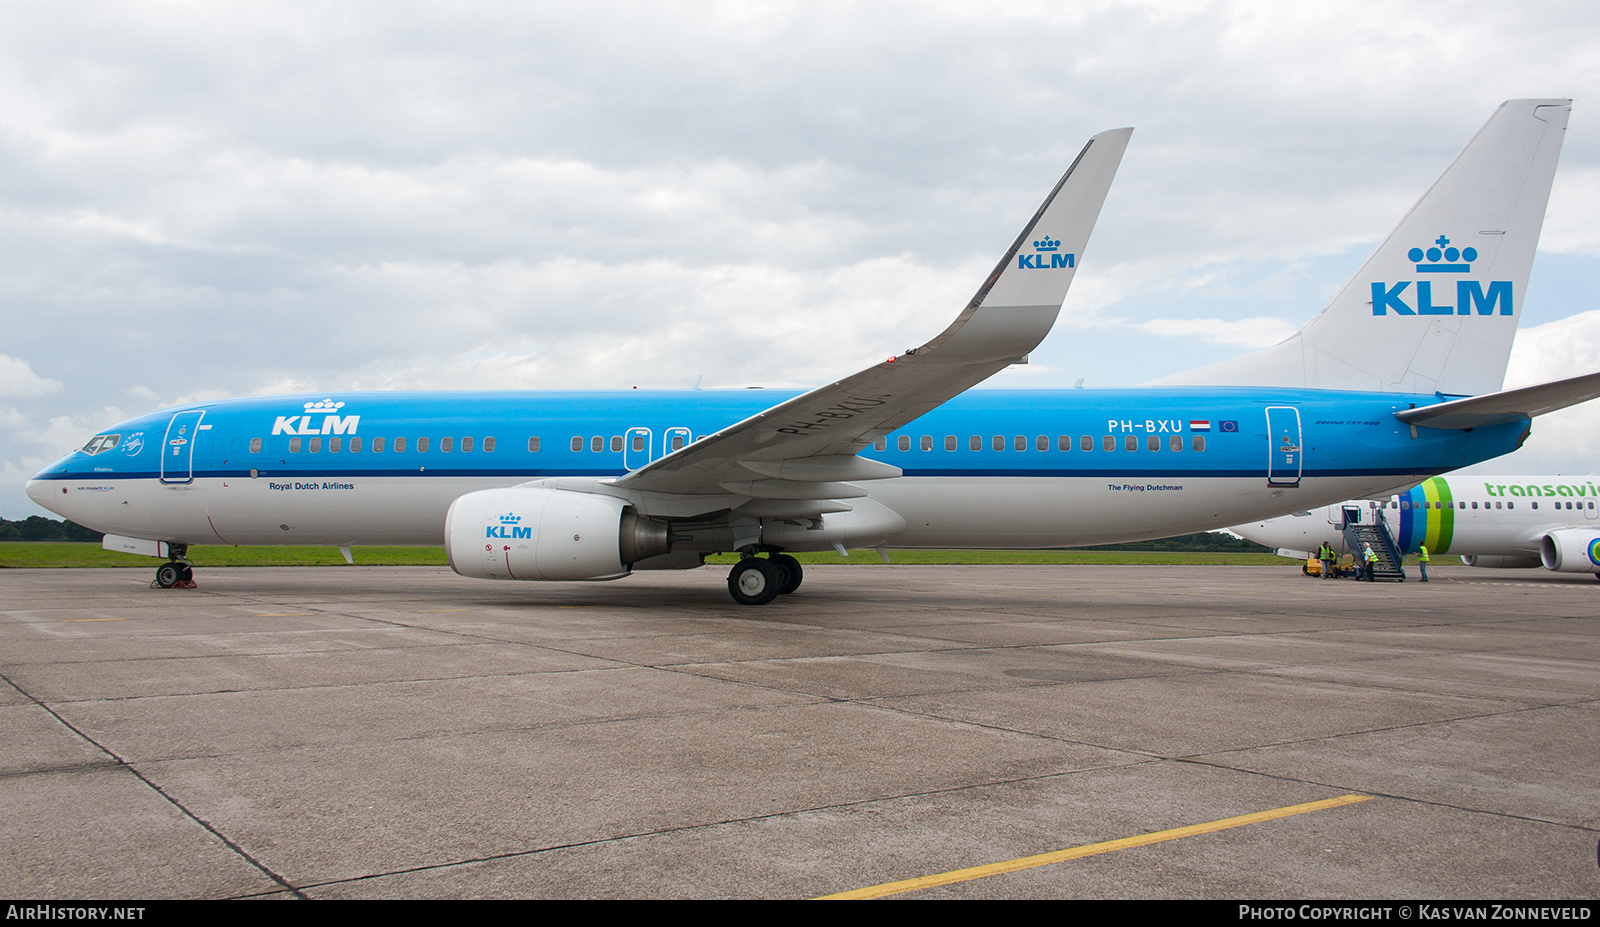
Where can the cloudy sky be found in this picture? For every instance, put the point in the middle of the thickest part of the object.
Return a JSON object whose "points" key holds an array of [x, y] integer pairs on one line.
{"points": [[201, 200]]}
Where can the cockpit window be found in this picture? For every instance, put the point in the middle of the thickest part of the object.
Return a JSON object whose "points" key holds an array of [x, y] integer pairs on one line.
{"points": [[99, 444]]}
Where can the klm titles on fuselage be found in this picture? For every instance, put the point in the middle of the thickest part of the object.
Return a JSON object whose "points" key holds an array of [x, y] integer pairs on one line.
{"points": [[1443, 259], [1046, 247], [331, 424]]}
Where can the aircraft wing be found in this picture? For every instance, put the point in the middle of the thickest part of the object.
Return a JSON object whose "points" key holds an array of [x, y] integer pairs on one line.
{"points": [[813, 439], [1505, 406]]}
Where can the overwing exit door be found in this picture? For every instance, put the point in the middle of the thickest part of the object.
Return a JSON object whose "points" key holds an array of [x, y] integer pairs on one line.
{"points": [[636, 448]]}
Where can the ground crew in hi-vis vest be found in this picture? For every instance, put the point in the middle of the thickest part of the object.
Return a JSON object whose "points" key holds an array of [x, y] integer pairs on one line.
{"points": [[1325, 554], [1371, 561], [1422, 560]]}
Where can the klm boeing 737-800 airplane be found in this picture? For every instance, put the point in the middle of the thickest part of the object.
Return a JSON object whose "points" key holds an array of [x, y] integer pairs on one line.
{"points": [[1393, 381], [1488, 521]]}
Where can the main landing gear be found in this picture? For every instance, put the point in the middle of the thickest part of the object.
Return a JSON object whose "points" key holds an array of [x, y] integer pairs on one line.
{"points": [[176, 573], [759, 580]]}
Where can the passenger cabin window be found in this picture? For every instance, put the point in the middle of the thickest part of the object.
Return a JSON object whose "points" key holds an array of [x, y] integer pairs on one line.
{"points": [[998, 442], [880, 444], [1130, 442], [927, 442], [1197, 443], [422, 445], [488, 445], [616, 444], [1109, 442], [355, 445], [1020, 442], [904, 443], [677, 442], [1042, 443], [255, 445], [638, 443], [446, 445], [466, 445], [1153, 442], [976, 443], [335, 445], [577, 444], [377, 445], [400, 445], [1175, 442], [294, 445], [597, 444], [1086, 443], [1064, 443], [949, 442]]}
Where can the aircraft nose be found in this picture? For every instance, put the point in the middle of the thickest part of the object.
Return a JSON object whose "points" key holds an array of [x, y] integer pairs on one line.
{"points": [[40, 491]]}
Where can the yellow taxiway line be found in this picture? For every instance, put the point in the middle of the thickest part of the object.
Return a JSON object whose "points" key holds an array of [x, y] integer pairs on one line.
{"points": [[1090, 849]]}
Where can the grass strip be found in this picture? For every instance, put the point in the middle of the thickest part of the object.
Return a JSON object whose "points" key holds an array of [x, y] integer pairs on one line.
{"points": [[58, 555]]}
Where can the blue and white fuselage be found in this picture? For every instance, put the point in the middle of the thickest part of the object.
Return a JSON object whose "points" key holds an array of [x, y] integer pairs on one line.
{"points": [[990, 468]]}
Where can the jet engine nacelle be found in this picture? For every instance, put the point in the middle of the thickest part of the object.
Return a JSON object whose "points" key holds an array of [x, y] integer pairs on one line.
{"points": [[539, 533], [1571, 550], [1500, 561]]}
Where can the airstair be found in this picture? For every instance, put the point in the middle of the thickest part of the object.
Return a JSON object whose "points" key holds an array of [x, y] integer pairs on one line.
{"points": [[1357, 536]]}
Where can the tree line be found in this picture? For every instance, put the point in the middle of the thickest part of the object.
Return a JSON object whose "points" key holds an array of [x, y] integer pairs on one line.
{"points": [[39, 528]]}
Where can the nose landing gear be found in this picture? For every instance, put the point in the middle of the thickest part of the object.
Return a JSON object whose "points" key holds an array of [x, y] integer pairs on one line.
{"points": [[176, 573]]}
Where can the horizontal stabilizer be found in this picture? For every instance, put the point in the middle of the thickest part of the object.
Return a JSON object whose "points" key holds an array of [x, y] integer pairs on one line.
{"points": [[1507, 406]]}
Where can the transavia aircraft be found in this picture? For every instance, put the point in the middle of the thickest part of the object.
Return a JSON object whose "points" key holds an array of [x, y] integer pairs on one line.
{"points": [[1490, 521], [1392, 382]]}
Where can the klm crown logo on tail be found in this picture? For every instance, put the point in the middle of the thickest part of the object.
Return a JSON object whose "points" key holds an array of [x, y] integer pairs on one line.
{"points": [[1443, 258], [1046, 255]]}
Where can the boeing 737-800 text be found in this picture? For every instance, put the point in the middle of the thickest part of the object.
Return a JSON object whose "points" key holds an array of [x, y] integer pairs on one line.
{"points": [[577, 486]]}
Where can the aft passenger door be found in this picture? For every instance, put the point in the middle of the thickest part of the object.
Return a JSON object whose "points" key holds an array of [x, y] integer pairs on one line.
{"points": [[177, 451], [1283, 451]]}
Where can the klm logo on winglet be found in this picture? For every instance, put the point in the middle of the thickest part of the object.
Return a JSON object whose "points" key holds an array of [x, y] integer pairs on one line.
{"points": [[1047, 254], [507, 528], [1443, 258], [331, 423]]}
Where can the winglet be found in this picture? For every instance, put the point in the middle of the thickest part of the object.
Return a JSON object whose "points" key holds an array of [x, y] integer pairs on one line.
{"points": [[1016, 306]]}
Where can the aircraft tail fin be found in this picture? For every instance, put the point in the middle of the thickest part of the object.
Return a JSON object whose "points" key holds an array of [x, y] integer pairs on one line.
{"points": [[1434, 309]]}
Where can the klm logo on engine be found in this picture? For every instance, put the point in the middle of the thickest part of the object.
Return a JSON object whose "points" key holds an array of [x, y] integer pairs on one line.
{"points": [[508, 528], [330, 423], [1443, 258], [1046, 255]]}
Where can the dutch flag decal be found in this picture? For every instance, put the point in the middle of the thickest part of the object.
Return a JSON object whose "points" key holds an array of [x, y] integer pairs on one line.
{"points": [[1199, 425]]}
